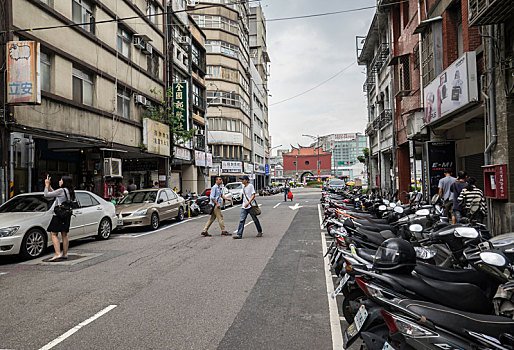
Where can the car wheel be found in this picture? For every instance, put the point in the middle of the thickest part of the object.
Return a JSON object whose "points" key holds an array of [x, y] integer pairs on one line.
{"points": [[33, 244], [180, 215], [104, 229], [154, 221]]}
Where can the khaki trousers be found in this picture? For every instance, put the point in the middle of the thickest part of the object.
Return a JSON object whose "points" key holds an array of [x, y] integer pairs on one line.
{"points": [[216, 214]]}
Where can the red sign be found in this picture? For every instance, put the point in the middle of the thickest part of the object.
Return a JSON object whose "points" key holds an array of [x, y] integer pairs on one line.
{"points": [[495, 181]]}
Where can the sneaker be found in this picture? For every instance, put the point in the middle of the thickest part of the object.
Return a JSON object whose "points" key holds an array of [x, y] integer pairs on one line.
{"points": [[259, 234], [237, 237], [225, 233], [206, 234]]}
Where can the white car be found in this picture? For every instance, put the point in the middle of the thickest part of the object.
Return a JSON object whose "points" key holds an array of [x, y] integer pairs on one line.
{"points": [[236, 188], [227, 194], [25, 218]]}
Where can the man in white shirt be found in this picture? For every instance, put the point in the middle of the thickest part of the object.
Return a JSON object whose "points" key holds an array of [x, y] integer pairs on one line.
{"points": [[248, 201]]}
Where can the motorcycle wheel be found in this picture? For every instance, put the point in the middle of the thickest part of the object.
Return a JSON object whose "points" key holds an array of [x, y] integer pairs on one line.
{"points": [[356, 295]]}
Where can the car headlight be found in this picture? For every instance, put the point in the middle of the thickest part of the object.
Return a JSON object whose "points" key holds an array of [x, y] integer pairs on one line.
{"points": [[8, 231], [140, 212]]}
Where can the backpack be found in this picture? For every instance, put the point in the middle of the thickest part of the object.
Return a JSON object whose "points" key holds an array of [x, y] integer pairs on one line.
{"points": [[65, 210]]}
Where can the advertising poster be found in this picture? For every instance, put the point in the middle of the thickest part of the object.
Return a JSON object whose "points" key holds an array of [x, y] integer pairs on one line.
{"points": [[440, 156], [156, 137], [23, 81]]}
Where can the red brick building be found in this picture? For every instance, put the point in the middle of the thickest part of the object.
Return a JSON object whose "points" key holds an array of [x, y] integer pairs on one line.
{"points": [[301, 162]]}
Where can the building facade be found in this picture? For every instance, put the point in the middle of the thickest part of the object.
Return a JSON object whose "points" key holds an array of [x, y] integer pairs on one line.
{"points": [[306, 161], [345, 149]]}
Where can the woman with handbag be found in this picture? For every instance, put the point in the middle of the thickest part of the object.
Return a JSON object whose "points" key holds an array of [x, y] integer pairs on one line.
{"points": [[62, 215], [250, 206]]}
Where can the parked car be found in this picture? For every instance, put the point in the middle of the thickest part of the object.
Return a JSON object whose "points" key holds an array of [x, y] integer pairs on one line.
{"points": [[25, 218], [203, 200], [335, 184], [149, 207], [236, 188]]}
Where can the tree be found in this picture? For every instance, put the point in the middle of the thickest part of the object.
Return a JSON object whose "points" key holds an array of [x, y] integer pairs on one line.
{"points": [[365, 156], [163, 112]]}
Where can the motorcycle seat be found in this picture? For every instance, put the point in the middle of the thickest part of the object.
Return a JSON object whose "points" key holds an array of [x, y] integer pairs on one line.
{"points": [[377, 227], [366, 254], [376, 237], [373, 221], [462, 296], [460, 321]]}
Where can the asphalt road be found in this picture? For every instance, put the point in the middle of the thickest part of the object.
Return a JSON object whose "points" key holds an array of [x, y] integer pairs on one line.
{"points": [[173, 289]]}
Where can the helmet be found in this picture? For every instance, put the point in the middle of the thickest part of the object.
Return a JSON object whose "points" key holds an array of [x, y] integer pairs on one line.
{"points": [[395, 255]]}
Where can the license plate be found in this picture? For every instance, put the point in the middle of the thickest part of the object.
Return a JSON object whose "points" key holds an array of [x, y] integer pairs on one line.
{"points": [[387, 346], [353, 329], [341, 285], [120, 222]]}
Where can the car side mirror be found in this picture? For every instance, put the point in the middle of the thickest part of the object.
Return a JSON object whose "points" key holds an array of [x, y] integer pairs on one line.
{"points": [[160, 200]]}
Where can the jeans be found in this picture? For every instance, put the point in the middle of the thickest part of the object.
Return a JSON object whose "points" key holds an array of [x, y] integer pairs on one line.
{"points": [[244, 214], [458, 215], [286, 191]]}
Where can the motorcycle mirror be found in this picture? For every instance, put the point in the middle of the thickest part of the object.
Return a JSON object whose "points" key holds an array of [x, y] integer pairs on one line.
{"points": [[423, 212], [398, 209], [493, 258], [382, 207], [435, 199], [466, 232], [386, 202], [416, 228], [425, 253], [392, 205]]}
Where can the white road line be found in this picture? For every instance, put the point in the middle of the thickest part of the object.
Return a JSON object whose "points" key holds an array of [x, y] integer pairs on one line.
{"points": [[244, 226], [276, 205], [4, 273], [335, 320], [77, 327]]}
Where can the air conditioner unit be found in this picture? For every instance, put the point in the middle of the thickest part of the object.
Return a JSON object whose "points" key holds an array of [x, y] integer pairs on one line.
{"points": [[140, 99], [148, 49], [139, 43], [148, 103], [112, 167], [192, 2]]}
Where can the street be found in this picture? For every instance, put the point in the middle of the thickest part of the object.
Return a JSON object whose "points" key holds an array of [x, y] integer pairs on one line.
{"points": [[173, 289]]}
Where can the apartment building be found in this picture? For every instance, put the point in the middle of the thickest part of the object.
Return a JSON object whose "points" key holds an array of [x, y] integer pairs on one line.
{"points": [[345, 149], [96, 88]]}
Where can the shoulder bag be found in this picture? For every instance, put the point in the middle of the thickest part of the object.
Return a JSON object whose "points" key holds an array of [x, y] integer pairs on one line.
{"points": [[65, 210], [255, 208]]}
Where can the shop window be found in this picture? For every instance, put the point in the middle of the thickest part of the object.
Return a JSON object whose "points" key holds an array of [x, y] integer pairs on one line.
{"points": [[45, 71], [124, 39], [83, 87], [123, 100], [82, 12]]}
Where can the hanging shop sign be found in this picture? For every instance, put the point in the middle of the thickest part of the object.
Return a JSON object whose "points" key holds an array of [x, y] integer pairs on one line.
{"points": [[200, 159], [453, 89], [259, 168], [156, 137], [231, 167], [248, 168], [440, 156], [266, 169], [181, 153], [23, 72], [180, 104]]}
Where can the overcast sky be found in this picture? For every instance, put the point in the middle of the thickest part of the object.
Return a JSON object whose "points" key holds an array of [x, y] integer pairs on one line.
{"points": [[306, 52]]}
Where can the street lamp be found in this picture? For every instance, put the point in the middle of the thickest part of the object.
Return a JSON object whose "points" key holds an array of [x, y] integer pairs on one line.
{"points": [[317, 149]]}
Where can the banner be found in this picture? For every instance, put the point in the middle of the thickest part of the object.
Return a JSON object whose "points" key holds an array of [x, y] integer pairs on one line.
{"points": [[440, 156], [156, 137], [231, 167], [200, 159], [23, 80], [181, 153], [180, 104]]}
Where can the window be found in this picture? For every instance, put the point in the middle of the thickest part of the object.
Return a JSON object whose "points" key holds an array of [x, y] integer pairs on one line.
{"points": [[123, 42], [198, 96], [171, 194], [45, 71], [85, 200], [123, 103], [46, 2], [83, 87], [152, 65], [163, 196], [427, 56], [151, 11], [307, 162], [82, 12]]}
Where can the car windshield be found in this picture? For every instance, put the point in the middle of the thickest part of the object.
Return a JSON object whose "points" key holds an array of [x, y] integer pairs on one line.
{"points": [[27, 204], [234, 186], [139, 197], [337, 182]]}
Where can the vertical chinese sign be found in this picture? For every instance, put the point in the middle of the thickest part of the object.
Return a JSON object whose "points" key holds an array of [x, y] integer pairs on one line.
{"points": [[180, 104], [23, 80]]}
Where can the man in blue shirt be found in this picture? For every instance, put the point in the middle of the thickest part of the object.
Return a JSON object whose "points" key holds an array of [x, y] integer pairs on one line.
{"points": [[215, 199]]}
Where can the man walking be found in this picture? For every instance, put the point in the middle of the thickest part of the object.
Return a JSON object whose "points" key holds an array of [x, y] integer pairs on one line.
{"points": [[215, 199], [248, 198], [445, 194], [456, 189], [287, 188]]}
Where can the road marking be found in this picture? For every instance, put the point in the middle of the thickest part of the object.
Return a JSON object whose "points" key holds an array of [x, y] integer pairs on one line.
{"points": [[335, 319], [77, 327], [4, 273], [276, 205], [296, 206], [244, 226]]}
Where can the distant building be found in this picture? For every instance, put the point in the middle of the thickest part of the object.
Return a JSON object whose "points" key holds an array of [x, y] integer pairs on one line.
{"points": [[345, 149], [301, 162]]}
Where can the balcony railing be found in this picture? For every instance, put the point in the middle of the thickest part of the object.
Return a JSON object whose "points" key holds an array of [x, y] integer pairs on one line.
{"points": [[482, 12], [385, 117]]}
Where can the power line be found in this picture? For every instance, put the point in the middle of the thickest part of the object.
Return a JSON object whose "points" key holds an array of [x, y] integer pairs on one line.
{"points": [[332, 13], [315, 87]]}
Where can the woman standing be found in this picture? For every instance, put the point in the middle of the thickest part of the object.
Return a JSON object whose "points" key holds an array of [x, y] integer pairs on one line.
{"points": [[65, 193]]}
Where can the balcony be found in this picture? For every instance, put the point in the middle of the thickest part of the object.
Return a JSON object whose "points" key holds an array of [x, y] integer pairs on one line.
{"points": [[385, 117], [370, 130], [483, 12]]}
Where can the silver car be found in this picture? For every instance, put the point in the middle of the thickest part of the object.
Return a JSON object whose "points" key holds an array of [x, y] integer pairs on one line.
{"points": [[25, 218], [236, 188]]}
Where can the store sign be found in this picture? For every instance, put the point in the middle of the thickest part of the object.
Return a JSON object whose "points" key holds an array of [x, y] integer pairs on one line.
{"points": [[200, 159], [248, 168], [453, 89], [182, 153], [231, 167], [266, 169], [259, 168], [156, 137], [440, 156], [23, 72], [180, 104]]}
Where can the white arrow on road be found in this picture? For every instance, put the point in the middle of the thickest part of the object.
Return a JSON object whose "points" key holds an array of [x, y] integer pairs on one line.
{"points": [[296, 206]]}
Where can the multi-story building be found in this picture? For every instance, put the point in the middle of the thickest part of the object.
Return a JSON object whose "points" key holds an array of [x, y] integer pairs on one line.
{"points": [[228, 86], [306, 161], [96, 87], [345, 149]]}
